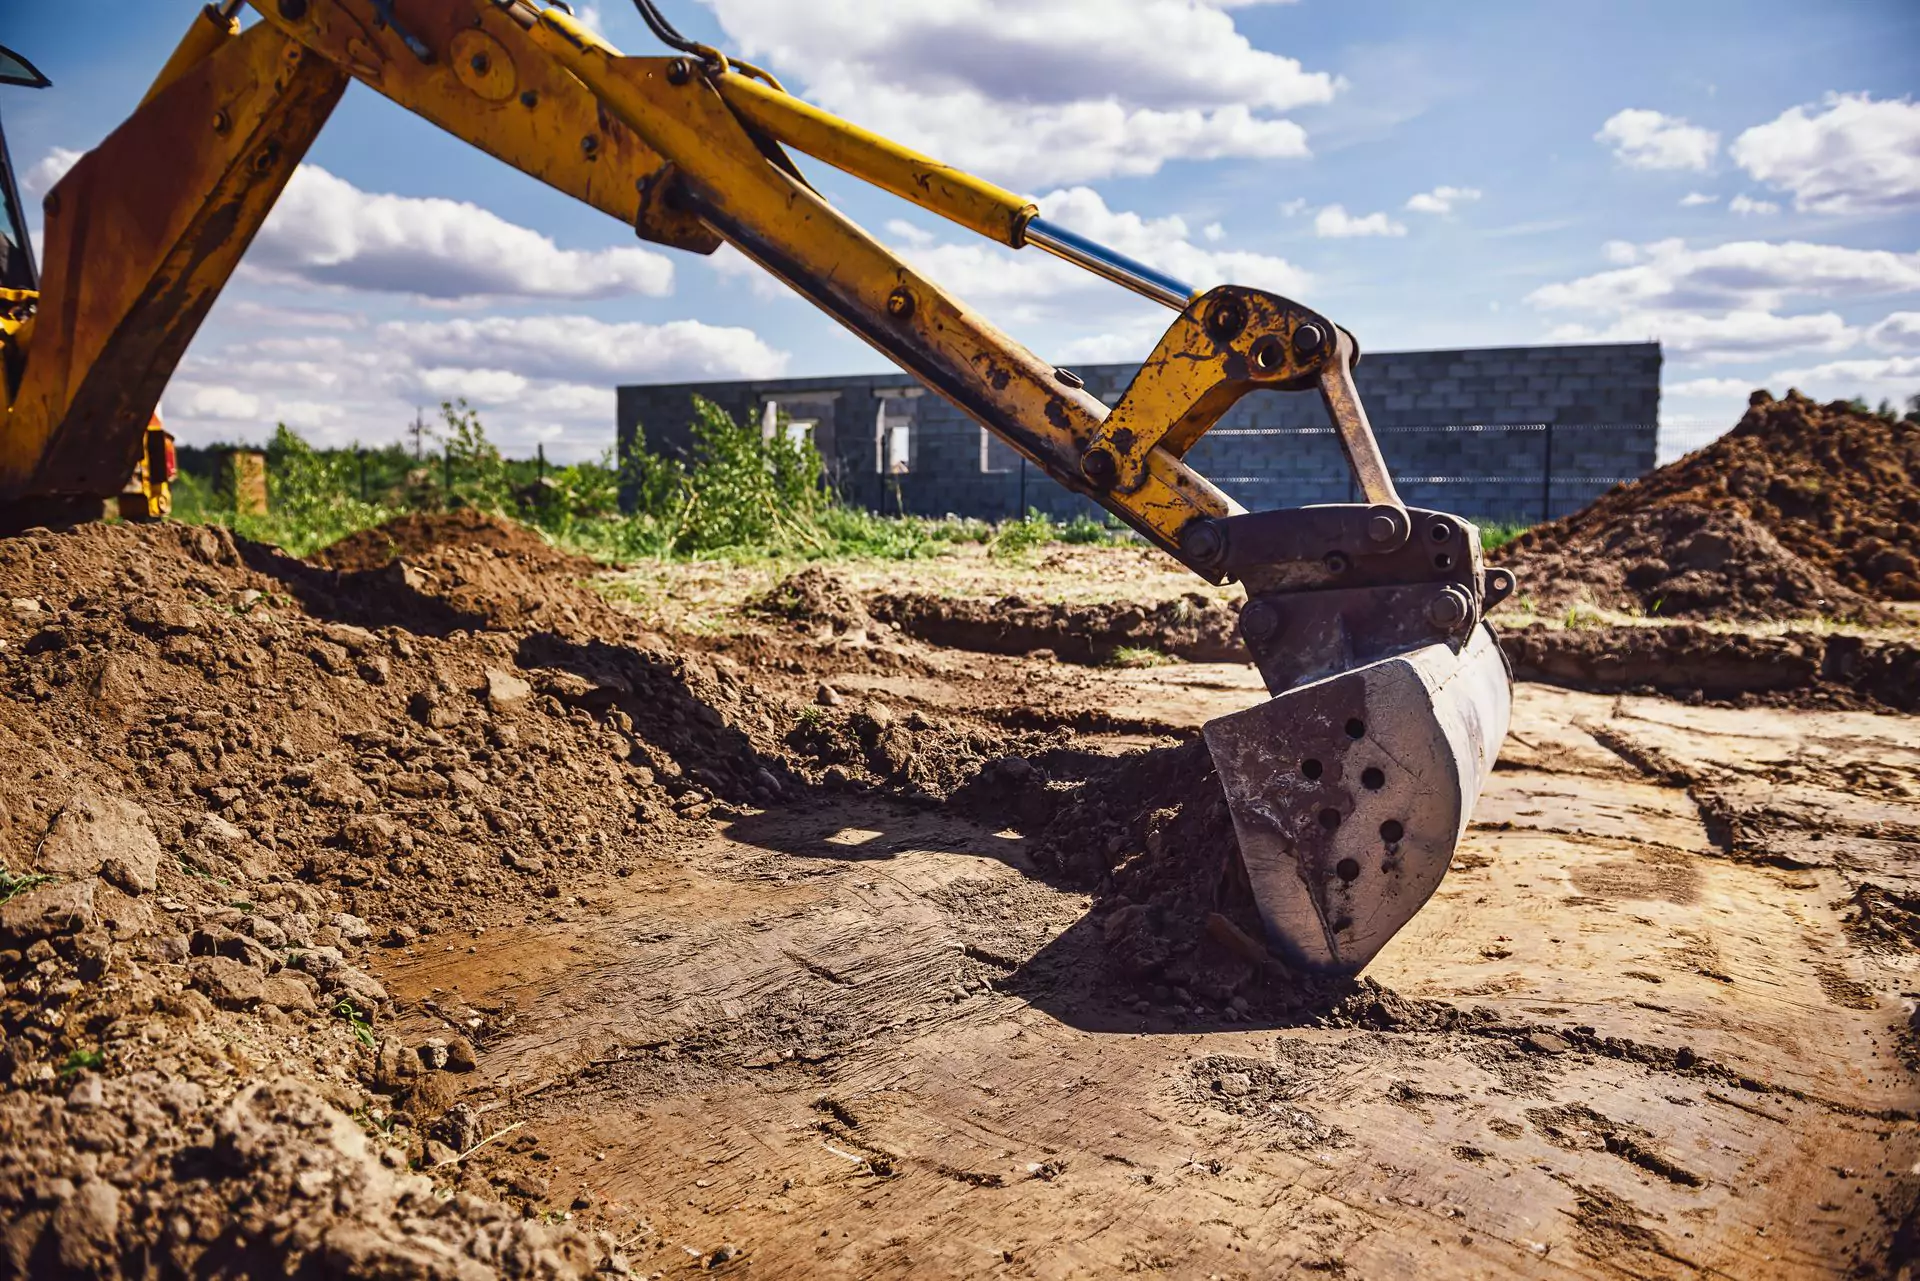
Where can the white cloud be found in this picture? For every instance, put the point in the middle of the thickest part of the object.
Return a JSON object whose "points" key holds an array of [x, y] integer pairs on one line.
{"points": [[1745, 205], [581, 349], [49, 169], [1441, 200], [1214, 232], [1642, 139], [326, 231], [1872, 379], [1293, 208], [1900, 331], [1743, 274], [222, 402], [1858, 155], [481, 386], [1694, 199], [1725, 302], [1335, 222], [274, 315], [537, 379], [1716, 388], [1735, 335], [906, 233], [1038, 90]]}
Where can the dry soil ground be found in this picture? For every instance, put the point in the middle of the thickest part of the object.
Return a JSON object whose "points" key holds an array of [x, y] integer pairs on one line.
{"points": [[740, 938]]}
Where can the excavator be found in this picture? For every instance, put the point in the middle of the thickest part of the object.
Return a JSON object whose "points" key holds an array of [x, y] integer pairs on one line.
{"points": [[1349, 788]]}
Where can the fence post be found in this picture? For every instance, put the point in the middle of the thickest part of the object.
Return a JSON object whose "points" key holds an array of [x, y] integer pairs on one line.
{"points": [[540, 457], [361, 455], [1546, 479], [446, 459]]}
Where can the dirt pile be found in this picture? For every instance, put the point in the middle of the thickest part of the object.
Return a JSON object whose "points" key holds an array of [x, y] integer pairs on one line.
{"points": [[1800, 510], [455, 570], [226, 776], [419, 534], [1193, 627], [1685, 561], [814, 601]]}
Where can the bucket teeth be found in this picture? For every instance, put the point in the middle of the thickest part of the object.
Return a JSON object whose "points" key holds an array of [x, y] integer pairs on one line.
{"points": [[1349, 794]]}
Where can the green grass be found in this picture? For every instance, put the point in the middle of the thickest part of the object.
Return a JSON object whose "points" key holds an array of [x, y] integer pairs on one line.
{"points": [[1496, 534], [80, 1061], [1135, 656], [740, 496], [13, 885]]}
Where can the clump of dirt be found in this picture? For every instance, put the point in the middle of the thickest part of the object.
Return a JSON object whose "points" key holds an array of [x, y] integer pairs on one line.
{"points": [[1151, 835], [914, 755], [1838, 491], [226, 776], [1193, 627], [814, 600], [1688, 660], [1884, 918], [420, 534]]}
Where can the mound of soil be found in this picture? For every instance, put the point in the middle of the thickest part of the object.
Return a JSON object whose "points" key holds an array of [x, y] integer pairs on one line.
{"points": [[422, 534], [1690, 661], [816, 601], [1193, 627], [459, 570], [1838, 492], [225, 775], [1683, 560]]}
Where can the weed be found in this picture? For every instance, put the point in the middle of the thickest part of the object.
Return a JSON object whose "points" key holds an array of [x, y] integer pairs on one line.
{"points": [[1133, 656], [79, 1061], [12, 885], [376, 1124], [362, 1028], [740, 494], [1498, 533], [1015, 540]]}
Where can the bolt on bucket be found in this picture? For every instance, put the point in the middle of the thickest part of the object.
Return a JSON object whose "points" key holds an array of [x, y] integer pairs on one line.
{"points": [[1350, 793]]}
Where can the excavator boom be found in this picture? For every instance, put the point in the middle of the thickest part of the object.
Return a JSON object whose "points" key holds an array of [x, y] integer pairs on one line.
{"points": [[1349, 788]]}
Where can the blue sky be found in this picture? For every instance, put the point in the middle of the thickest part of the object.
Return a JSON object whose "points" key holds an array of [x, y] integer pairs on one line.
{"points": [[1741, 181]]}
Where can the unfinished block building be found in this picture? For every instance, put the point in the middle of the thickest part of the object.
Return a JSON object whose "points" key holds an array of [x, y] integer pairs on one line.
{"points": [[1498, 433]]}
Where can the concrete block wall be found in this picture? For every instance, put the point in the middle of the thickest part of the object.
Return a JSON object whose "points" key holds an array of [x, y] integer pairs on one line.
{"points": [[1507, 433]]}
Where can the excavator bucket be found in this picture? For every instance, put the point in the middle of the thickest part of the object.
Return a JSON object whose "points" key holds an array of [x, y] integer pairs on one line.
{"points": [[1349, 793]]}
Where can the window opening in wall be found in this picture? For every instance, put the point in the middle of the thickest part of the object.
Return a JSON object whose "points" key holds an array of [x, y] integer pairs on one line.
{"points": [[893, 437], [795, 430], [996, 457]]}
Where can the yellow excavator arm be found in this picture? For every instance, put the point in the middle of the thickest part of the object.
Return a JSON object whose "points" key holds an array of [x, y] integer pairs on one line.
{"points": [[1349, 788]]}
